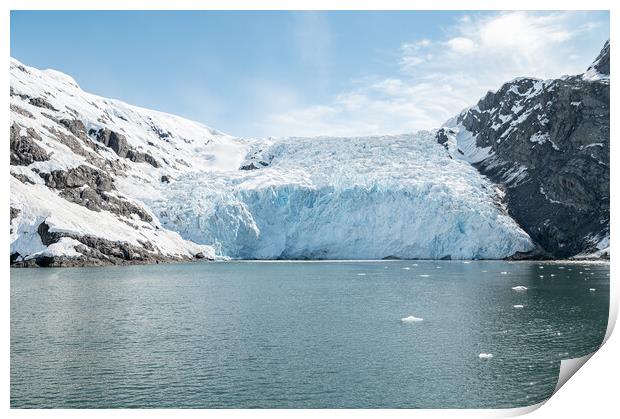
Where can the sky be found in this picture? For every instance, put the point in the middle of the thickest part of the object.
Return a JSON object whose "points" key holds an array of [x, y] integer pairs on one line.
{"points": [[270, 73]]}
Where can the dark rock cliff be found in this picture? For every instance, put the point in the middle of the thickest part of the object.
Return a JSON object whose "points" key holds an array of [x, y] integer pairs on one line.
{"points": [[546, 143]]}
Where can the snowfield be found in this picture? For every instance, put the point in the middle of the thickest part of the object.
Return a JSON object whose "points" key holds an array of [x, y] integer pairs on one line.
{"points": [[200, 190]]}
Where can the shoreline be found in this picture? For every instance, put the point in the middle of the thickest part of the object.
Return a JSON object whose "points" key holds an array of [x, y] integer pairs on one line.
{"points": [[73, 263]]}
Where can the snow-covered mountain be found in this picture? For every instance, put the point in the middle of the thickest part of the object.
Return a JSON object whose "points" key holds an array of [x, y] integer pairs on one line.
{"points": [[98, 181], [546, 143]]}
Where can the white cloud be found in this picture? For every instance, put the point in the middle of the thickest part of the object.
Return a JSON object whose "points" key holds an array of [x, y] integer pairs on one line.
{"points": [[440, 77], [413, 54], [461, 45]]}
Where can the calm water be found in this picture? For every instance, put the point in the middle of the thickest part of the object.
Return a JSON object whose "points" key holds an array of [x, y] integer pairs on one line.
{"points": [[300, 334]]}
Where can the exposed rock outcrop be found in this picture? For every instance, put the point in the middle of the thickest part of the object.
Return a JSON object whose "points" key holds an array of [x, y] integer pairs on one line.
{"points": [[77, 177], [41, 103], [88, 187], [24, 150], [546, 143], [118, 143]]}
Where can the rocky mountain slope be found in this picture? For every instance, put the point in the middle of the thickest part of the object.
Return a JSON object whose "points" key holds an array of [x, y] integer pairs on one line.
{"points": [[78, 161], [546, 143], [97, 181]]}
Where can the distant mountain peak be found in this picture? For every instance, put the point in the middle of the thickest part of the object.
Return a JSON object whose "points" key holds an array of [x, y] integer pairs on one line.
{"points": [[599, 69]]}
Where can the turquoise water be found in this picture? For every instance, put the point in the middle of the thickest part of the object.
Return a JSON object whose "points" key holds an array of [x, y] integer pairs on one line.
{"points": [[301, 335]]}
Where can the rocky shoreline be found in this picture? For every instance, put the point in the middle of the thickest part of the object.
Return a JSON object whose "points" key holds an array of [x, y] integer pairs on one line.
{"points": [[88, 262]]}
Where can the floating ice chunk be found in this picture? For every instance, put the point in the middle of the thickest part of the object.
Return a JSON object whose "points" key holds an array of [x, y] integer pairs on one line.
{"points": [[552, 275], [361, 274], [561, 267], [485, 356], [424, 276], [504, 273], [414, 264], [592, 289], [411, 319], [520, 288], [406, 268], [518, 306], [466, 262], [541, 276]]}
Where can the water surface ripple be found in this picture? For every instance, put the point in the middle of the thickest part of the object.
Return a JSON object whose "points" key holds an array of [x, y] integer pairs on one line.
{"points": [[311, 335]]}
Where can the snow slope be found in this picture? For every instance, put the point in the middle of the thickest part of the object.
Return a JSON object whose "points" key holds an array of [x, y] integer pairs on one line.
{"points": [[170, 187]]}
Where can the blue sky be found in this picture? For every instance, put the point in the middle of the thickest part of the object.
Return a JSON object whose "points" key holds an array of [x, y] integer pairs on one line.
{"points": [[267, 73]]}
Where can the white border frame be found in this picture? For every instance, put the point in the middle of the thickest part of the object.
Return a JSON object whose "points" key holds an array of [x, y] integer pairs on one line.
{"points": [[592, 392]]}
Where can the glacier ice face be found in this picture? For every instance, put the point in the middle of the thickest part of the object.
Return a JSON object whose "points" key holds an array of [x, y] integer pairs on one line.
{"points": [[344, 198], [298, 198]]}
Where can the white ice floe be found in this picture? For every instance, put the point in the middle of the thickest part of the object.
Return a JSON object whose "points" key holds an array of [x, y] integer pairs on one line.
{"points": [[520, 288], [592, 289], [361, 274], [485, 356], [504, 273], [411, 319], [518, 306], [424, 276]]}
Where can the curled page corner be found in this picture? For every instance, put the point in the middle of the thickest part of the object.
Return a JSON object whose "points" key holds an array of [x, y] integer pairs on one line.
{"points": [[517, 411], [568, 367]]}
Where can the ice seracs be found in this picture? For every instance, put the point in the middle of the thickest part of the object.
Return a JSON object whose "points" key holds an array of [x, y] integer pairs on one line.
{"points": [[313, 197]]}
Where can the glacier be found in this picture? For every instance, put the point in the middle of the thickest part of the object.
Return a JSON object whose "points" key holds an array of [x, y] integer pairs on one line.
{"points": [[344, 198], [204, 191]]}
